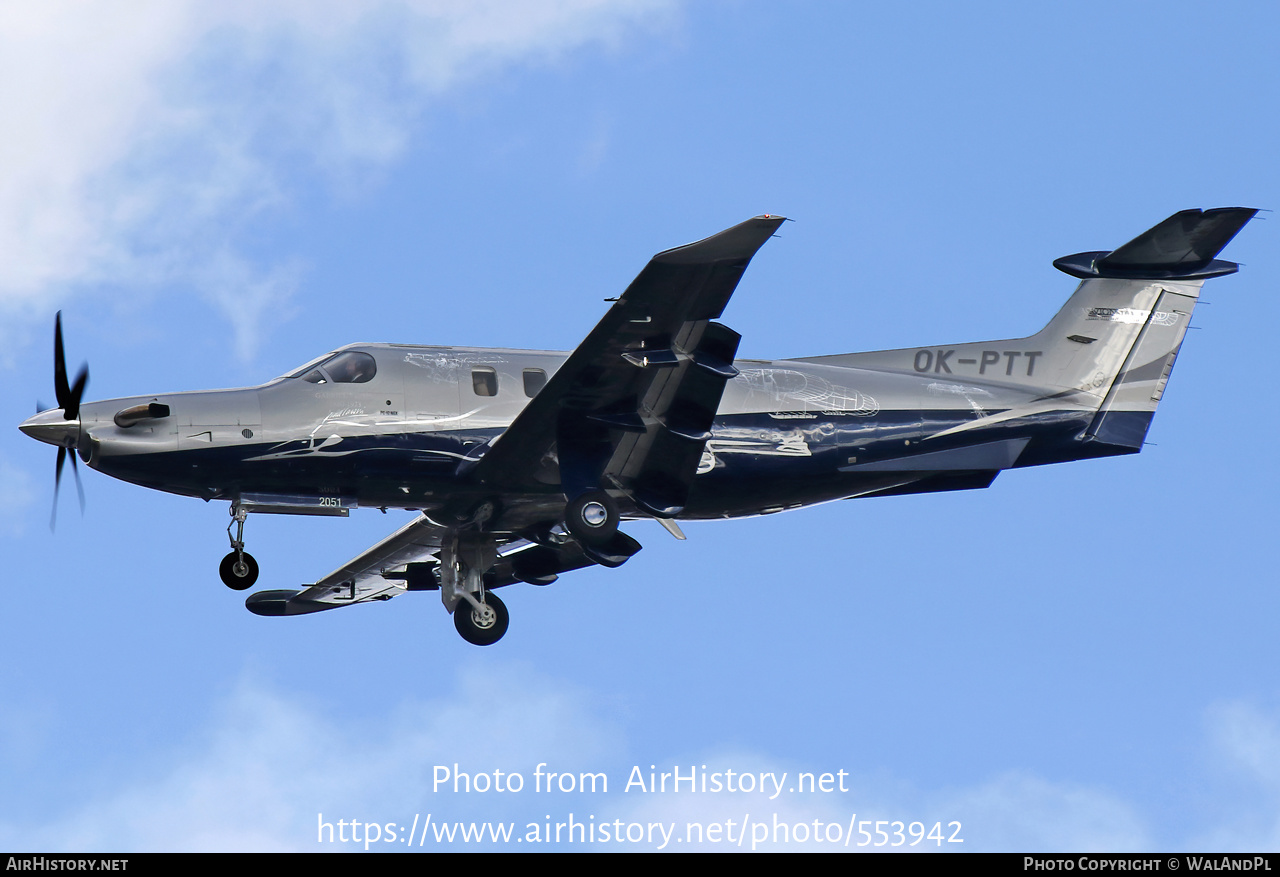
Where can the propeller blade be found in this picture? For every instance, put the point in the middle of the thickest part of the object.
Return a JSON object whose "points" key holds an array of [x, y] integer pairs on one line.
{"points": [[61, 390], [77, 390], [69, 395], [57, 483], [75, 470]]}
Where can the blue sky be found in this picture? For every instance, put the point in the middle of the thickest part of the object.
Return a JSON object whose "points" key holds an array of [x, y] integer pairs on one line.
{"points": [[1079, 658]]}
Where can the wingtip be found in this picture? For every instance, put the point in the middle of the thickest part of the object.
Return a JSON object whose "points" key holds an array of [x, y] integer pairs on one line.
{"points": [[738, 242]]}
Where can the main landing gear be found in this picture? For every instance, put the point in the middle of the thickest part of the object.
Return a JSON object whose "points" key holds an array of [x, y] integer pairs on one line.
{"points": [[481, 624], [480, 617], [238, 569]]}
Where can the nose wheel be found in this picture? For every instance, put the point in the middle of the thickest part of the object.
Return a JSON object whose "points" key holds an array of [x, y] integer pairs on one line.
{"points": [[238, 569]]}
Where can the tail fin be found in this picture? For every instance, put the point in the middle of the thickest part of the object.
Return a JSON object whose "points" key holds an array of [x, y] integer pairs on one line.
{"points": [[1119, 334], [1111, 348]]}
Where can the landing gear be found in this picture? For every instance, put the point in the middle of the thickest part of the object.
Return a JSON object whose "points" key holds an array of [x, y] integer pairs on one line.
{"points": [[478, 615], [238, 569], [481, 623], [592, 517]]}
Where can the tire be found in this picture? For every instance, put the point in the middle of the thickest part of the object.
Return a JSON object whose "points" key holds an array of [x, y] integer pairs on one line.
{"points": [[474, 629], [592, 517], [238, 582]]}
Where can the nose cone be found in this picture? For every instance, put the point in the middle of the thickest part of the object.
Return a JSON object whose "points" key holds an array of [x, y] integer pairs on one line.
{"points": [[52, 428]]}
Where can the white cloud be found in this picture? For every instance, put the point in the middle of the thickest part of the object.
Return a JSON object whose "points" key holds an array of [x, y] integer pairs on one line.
{"points": [[77, 92], [1250, 740], [1246, 754], [247, 295], [142, 141], [878, 814], [1022, 812], [270, 765]]}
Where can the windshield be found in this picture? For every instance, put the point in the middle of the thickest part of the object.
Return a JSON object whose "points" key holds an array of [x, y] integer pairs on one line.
{"points": [[349, 367]]}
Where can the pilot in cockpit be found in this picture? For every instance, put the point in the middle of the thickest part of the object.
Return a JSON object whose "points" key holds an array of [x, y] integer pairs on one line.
{"points": [[351, 367]]}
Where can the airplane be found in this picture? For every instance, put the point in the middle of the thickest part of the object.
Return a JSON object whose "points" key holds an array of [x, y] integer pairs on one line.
{"points": [[522, 464]]}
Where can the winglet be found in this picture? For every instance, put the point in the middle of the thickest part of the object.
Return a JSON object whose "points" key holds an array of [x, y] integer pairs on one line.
{"points": [[1182, 247]]}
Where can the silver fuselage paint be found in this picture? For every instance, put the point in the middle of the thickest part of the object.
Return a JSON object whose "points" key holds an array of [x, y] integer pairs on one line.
{"points": [[787, 433]]}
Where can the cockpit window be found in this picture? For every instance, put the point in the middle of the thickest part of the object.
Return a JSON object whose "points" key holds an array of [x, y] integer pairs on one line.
{"points": [[351, 367], [304, 369]]}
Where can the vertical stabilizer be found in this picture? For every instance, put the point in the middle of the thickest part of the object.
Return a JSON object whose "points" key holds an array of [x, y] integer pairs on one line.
{"points": [[1134, 307], [1111, 347]]}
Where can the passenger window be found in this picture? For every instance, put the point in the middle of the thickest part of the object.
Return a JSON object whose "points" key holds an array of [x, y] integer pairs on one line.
{"points": [[484, 381], [534, 380]]}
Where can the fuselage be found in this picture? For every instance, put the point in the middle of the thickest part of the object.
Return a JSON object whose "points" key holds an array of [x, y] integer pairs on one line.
{"points": [[524, 462], [390, 425]]}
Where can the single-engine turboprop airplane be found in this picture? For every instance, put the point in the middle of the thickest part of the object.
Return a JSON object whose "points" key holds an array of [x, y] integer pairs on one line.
{"points": [[522, 463]]}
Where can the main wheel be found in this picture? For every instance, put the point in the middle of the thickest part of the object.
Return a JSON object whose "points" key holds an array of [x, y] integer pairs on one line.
{"points": [[482, 628], [238, 574], [592, 517]]}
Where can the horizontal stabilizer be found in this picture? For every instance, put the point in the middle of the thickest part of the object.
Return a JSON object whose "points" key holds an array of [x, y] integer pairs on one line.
{"points": [[1182, 247]]}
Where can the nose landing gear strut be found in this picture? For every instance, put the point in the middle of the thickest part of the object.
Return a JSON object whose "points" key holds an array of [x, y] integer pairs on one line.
{"points": [[238, 569]]}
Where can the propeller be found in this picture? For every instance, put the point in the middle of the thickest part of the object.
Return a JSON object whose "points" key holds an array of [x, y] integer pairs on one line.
{"points": [[68, 396]]}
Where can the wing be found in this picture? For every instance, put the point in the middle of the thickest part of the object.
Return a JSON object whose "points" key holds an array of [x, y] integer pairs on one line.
{"points": [[386, 570], [405, 561], [632, 407]]}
